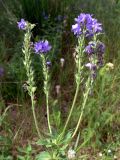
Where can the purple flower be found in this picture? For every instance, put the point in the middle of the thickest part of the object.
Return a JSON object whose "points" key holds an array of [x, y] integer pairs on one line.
{"points": [[87, 25], [91, 66], [1, 72], [84, 19], [96, 48], [22, 24], [96, 27], [93, 27], [94, 75], [48, 63], [100, 52], [90, 49], [42, 47], [100, 60], [81, 18], [76, 29], [100, 47]]}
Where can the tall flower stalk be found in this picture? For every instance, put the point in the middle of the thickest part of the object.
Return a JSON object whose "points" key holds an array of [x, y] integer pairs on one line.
{"points": [[31, 87], [78, 62], [41, 48], [46, 89], [86, 27], [90, 28], [85, 97]]}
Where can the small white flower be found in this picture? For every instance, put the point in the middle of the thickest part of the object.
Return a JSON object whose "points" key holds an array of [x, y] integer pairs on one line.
{"points": [[100, 154], [110, 65], [109, 151], [115, 157], [71, 154]]}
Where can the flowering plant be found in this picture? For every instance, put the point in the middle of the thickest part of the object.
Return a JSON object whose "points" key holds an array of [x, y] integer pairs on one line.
{"points": [[89, 53]]}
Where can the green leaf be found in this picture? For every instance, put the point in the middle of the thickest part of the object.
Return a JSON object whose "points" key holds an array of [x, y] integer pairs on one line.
{"points": [[20, 157], [67, 138], [46, 143], [43, 156], [57, 117], [42, 142], [29, 148]]}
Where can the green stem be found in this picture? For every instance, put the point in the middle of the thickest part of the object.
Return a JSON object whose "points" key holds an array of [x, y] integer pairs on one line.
{"points": [[48, 114], [83, 107], [34, 116], [70, 113], [29, 71], [79, 69], [46, 89]]}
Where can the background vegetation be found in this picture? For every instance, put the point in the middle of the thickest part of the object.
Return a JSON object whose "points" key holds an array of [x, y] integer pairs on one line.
{"points": [[53, 19]]}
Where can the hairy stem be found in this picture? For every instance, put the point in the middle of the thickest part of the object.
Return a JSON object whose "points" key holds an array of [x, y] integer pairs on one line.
{"points": [[46, 89], [79, 51], [48, 114], [83, 106], [70, 113], [34, 116], [29, 71]]}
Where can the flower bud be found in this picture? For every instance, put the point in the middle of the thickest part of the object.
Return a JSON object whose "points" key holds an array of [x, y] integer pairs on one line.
{"points": [[62, 61], [48, 64], [57, 87]]}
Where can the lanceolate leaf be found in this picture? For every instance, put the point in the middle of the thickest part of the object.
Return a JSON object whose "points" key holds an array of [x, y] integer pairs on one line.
{"points": [[43, 156]]}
